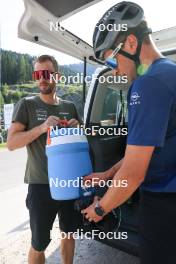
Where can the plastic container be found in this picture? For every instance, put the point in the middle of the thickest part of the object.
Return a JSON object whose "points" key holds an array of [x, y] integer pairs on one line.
{"points": [[68, 161]]}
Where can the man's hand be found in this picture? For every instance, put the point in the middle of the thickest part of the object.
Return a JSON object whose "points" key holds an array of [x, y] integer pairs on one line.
{"points": [[94, 178], [90, 213], [73, 123], [51, 121], [106, 175]]}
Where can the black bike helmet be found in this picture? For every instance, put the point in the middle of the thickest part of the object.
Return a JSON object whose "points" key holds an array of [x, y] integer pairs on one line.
{"points": [[127, 13]]}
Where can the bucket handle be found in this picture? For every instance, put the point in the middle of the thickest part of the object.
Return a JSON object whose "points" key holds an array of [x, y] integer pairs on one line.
{"points": [[48, 141], [62, 123]]}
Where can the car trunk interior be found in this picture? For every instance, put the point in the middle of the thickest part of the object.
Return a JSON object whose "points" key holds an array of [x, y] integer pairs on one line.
{"points": [[107, 150]]}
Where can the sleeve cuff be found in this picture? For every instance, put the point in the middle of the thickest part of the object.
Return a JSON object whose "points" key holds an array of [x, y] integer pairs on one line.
{"points": [[153, 143]]}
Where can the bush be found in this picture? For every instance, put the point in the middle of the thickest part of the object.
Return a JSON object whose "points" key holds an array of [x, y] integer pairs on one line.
{"points": [[4, 135], [5, 90], [1, 101]]}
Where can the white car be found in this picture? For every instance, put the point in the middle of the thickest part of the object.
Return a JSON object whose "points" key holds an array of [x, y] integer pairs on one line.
{"points": [[105, 103]]}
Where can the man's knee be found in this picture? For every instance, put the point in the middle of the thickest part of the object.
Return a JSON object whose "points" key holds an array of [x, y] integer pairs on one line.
{"points": [[68, 238], [36, 257], [67, 242], [36, 252]]}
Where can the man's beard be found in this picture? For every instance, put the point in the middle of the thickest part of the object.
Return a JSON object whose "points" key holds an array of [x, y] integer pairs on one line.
{"points": [[47, 90]]}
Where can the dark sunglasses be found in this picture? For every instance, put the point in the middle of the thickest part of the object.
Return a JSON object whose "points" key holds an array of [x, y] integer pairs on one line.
{"points": [[36, 75]]}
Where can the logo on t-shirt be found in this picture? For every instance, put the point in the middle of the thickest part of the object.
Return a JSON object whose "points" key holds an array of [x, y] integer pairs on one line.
{"points": [[135, 99], [41, 114], [64, 115]]}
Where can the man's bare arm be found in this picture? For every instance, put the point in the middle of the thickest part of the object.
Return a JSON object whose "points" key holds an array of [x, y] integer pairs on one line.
{"points": [[133, 170], [106, 175], [112, 171], [18, 137]]}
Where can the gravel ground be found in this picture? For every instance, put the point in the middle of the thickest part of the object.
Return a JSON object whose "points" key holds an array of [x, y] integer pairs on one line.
{"points": [[15, 244], [14, 248]]}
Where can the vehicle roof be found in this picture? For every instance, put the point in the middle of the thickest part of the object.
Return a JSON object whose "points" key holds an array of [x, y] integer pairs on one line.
{"points": [[34, 27], [63, 9]]}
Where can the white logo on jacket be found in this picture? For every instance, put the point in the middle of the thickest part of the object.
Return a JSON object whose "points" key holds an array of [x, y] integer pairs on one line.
{"points": [[135, 98]]}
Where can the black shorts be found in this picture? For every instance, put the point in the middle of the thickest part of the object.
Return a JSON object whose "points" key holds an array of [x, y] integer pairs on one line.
{"points": [[158, 228], [43, 210]]}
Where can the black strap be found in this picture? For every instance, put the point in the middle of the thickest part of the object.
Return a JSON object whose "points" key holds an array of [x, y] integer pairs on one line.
{"points": [[140, 37], [133, 57], [121, 117]]}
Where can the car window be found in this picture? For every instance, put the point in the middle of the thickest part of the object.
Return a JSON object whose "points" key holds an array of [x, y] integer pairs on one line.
{"points": [[109, 106], [114, 111]]}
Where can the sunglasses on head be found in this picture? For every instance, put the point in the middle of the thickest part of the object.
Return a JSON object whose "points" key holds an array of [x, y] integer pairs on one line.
{"points": [[111, 61], [36, 75]]}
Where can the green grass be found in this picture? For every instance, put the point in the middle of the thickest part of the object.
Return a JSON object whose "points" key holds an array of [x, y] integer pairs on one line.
{"points": [[27, 85], [33, 85], [2, 145]]}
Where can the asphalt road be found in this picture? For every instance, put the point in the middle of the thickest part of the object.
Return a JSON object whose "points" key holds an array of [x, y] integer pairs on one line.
{"points": [[14, 222], [12, 167]]}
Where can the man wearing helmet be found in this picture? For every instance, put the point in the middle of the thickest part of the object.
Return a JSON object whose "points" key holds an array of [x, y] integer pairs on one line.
{"points": [[150, 156]]}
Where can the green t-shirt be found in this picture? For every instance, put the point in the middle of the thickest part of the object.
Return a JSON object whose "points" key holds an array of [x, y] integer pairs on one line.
{"points": [[32, 112]]}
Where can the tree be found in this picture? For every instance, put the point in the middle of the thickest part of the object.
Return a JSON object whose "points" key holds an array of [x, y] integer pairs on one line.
{"points": [[22, 69], [16, 68], [1, 101], [5, 90]]}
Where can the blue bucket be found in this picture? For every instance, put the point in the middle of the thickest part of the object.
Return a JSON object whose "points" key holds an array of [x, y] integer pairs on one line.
{"points": [[68, 161]]}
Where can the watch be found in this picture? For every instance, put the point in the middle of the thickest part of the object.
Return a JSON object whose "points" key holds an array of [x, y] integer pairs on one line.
{"points": [[99, 210]]}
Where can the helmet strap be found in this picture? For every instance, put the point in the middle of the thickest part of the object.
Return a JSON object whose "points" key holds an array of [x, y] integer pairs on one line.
{"points": [[133, 57]]}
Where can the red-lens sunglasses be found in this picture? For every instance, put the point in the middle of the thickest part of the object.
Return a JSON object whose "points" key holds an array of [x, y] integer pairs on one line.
{"points": [[36, 75]]}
